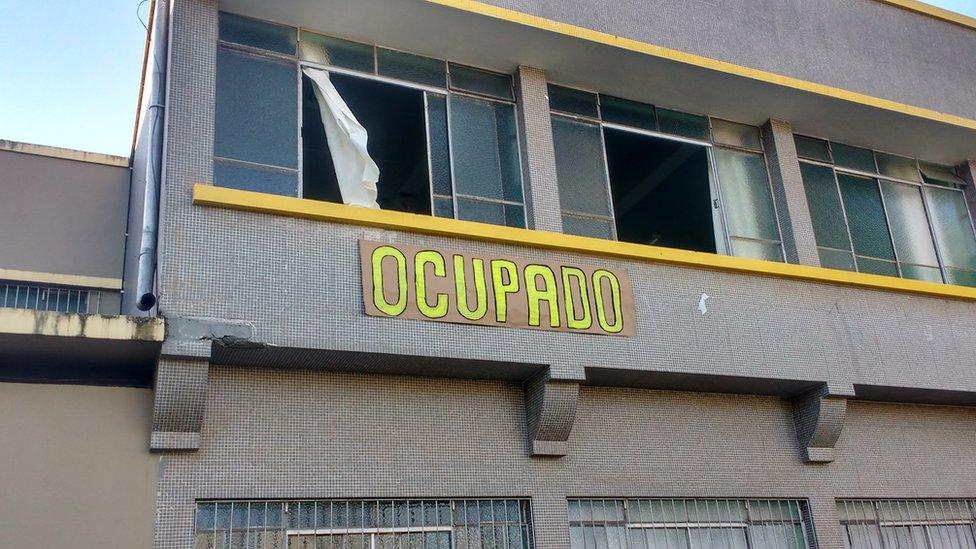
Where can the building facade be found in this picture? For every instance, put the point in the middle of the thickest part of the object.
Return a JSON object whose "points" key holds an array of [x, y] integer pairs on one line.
{"points": [[445, 273]]}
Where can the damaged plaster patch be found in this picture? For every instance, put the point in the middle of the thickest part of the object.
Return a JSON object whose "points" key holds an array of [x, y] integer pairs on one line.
{"points": [[702, 308]]}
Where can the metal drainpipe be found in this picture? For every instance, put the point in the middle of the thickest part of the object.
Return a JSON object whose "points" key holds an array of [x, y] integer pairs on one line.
{"points": [[155, 114]]}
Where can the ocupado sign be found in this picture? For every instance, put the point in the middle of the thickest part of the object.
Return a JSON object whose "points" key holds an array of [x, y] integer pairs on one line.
{"points": [[432, 284]]}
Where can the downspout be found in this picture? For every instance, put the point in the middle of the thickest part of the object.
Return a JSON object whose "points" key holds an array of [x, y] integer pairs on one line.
{"points": [[155, 111]]}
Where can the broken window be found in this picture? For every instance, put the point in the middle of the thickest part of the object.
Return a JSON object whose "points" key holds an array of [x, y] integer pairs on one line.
{"points": [[377, 127], [637, 173], [887, 214]]}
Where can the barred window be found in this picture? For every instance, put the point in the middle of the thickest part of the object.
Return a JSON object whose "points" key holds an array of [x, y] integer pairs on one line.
{"points": [[365, 524], [689, 524], [908, 524]]}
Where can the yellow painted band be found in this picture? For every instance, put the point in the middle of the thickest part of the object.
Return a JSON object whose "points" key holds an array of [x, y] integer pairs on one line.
{"points": [[208, 195], [628, 44], [934, 12], [61, 279]]}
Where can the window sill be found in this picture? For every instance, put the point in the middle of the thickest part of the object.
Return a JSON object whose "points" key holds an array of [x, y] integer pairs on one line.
{"points": [[220, 197]]}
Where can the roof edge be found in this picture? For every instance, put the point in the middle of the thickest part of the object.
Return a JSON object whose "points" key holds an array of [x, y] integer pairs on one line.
{"points": [[63, 153], [934, 12]]}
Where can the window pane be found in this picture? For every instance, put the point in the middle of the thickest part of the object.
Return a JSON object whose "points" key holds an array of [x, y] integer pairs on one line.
{"points": [[855, 158], [572, 101], [485, 149], [909, 224], [920, 272], [836, 259], [864, 536], [443, 207], [484, 212], [720, 538], [747, 200], [256, 111], [866, 217], [483, 82], [629, 113], [670, 538], [901, 167], [437, 138], [580, 166], [514, 216], [257, 34], [735, 134], [944, 176], [961, 277], [411, 67], [876, 266], [255, 179], [829, 226], [336, 52], [814, 149], [756, 249], [683, 124], [587, 226], [952, 226], [904, 537]]}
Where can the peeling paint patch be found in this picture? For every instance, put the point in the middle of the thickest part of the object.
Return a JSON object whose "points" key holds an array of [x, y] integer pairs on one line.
{"points": [[30, 322]]}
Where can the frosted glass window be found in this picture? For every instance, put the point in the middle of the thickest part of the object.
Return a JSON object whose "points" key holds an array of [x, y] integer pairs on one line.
{"points": [[736, 135], [826, 212], [411, 67], [572, 101], [900, 167], [812, 148], [910, 227], [440, 150], [746, 196], [866, 217], [327, 50], [628, 113], [836, 259], [954, 234], [483, 82], [944, 176], [484, 144], [580, 166], [587, 226], [495, 213], [256, 34], [682, 124], [855, 158], [255, 179], [756, 249], [256, 111]]}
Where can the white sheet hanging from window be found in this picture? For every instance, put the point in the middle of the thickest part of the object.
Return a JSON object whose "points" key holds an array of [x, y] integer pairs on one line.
{"points": [[356, 172]]}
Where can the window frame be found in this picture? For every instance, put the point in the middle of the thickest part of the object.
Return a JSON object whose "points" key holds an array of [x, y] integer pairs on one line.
{"points": [[878, 178], [926, 524], [723, 236], [447, 92]]}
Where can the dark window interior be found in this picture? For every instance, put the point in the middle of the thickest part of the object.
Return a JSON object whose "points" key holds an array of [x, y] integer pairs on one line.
{"points": [[394, 118], [661, 191]]}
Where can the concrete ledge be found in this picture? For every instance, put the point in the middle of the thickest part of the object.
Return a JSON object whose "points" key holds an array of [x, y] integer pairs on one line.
{"points": [[46, 323], [57, 279], [65, 154], [163, 441]]}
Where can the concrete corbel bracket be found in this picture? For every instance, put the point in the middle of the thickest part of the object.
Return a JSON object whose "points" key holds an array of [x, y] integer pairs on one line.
{"points": [[819, 419], [550, 411], [178, 404], [182, 376]]}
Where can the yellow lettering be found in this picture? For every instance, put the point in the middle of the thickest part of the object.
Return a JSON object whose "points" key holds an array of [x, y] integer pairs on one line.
{"points": [[501, 288], [548, 294], [480, 289], [601, 313], [585, 321], [379, 296], [421, 260]]}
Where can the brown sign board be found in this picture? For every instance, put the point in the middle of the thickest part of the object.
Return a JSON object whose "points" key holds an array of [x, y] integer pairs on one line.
{"points": [[421, 283]]}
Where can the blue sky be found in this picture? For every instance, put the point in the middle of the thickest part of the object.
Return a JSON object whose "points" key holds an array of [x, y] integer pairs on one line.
{"points": [[69, 70]]}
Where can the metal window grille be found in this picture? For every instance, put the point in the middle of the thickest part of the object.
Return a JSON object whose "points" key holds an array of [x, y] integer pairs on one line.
{"points": [[689, 524], [365, 524], [908, 524], [48, 298]]}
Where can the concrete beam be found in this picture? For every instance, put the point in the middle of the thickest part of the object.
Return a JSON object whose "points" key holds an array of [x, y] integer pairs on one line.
{"points": [[538, 152], [111, 327]]}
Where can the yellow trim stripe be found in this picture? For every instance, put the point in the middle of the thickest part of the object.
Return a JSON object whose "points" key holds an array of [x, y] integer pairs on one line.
{"points": [[61, 279], [931, 11], [50, 323], [628, 44], [208, 195]]}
